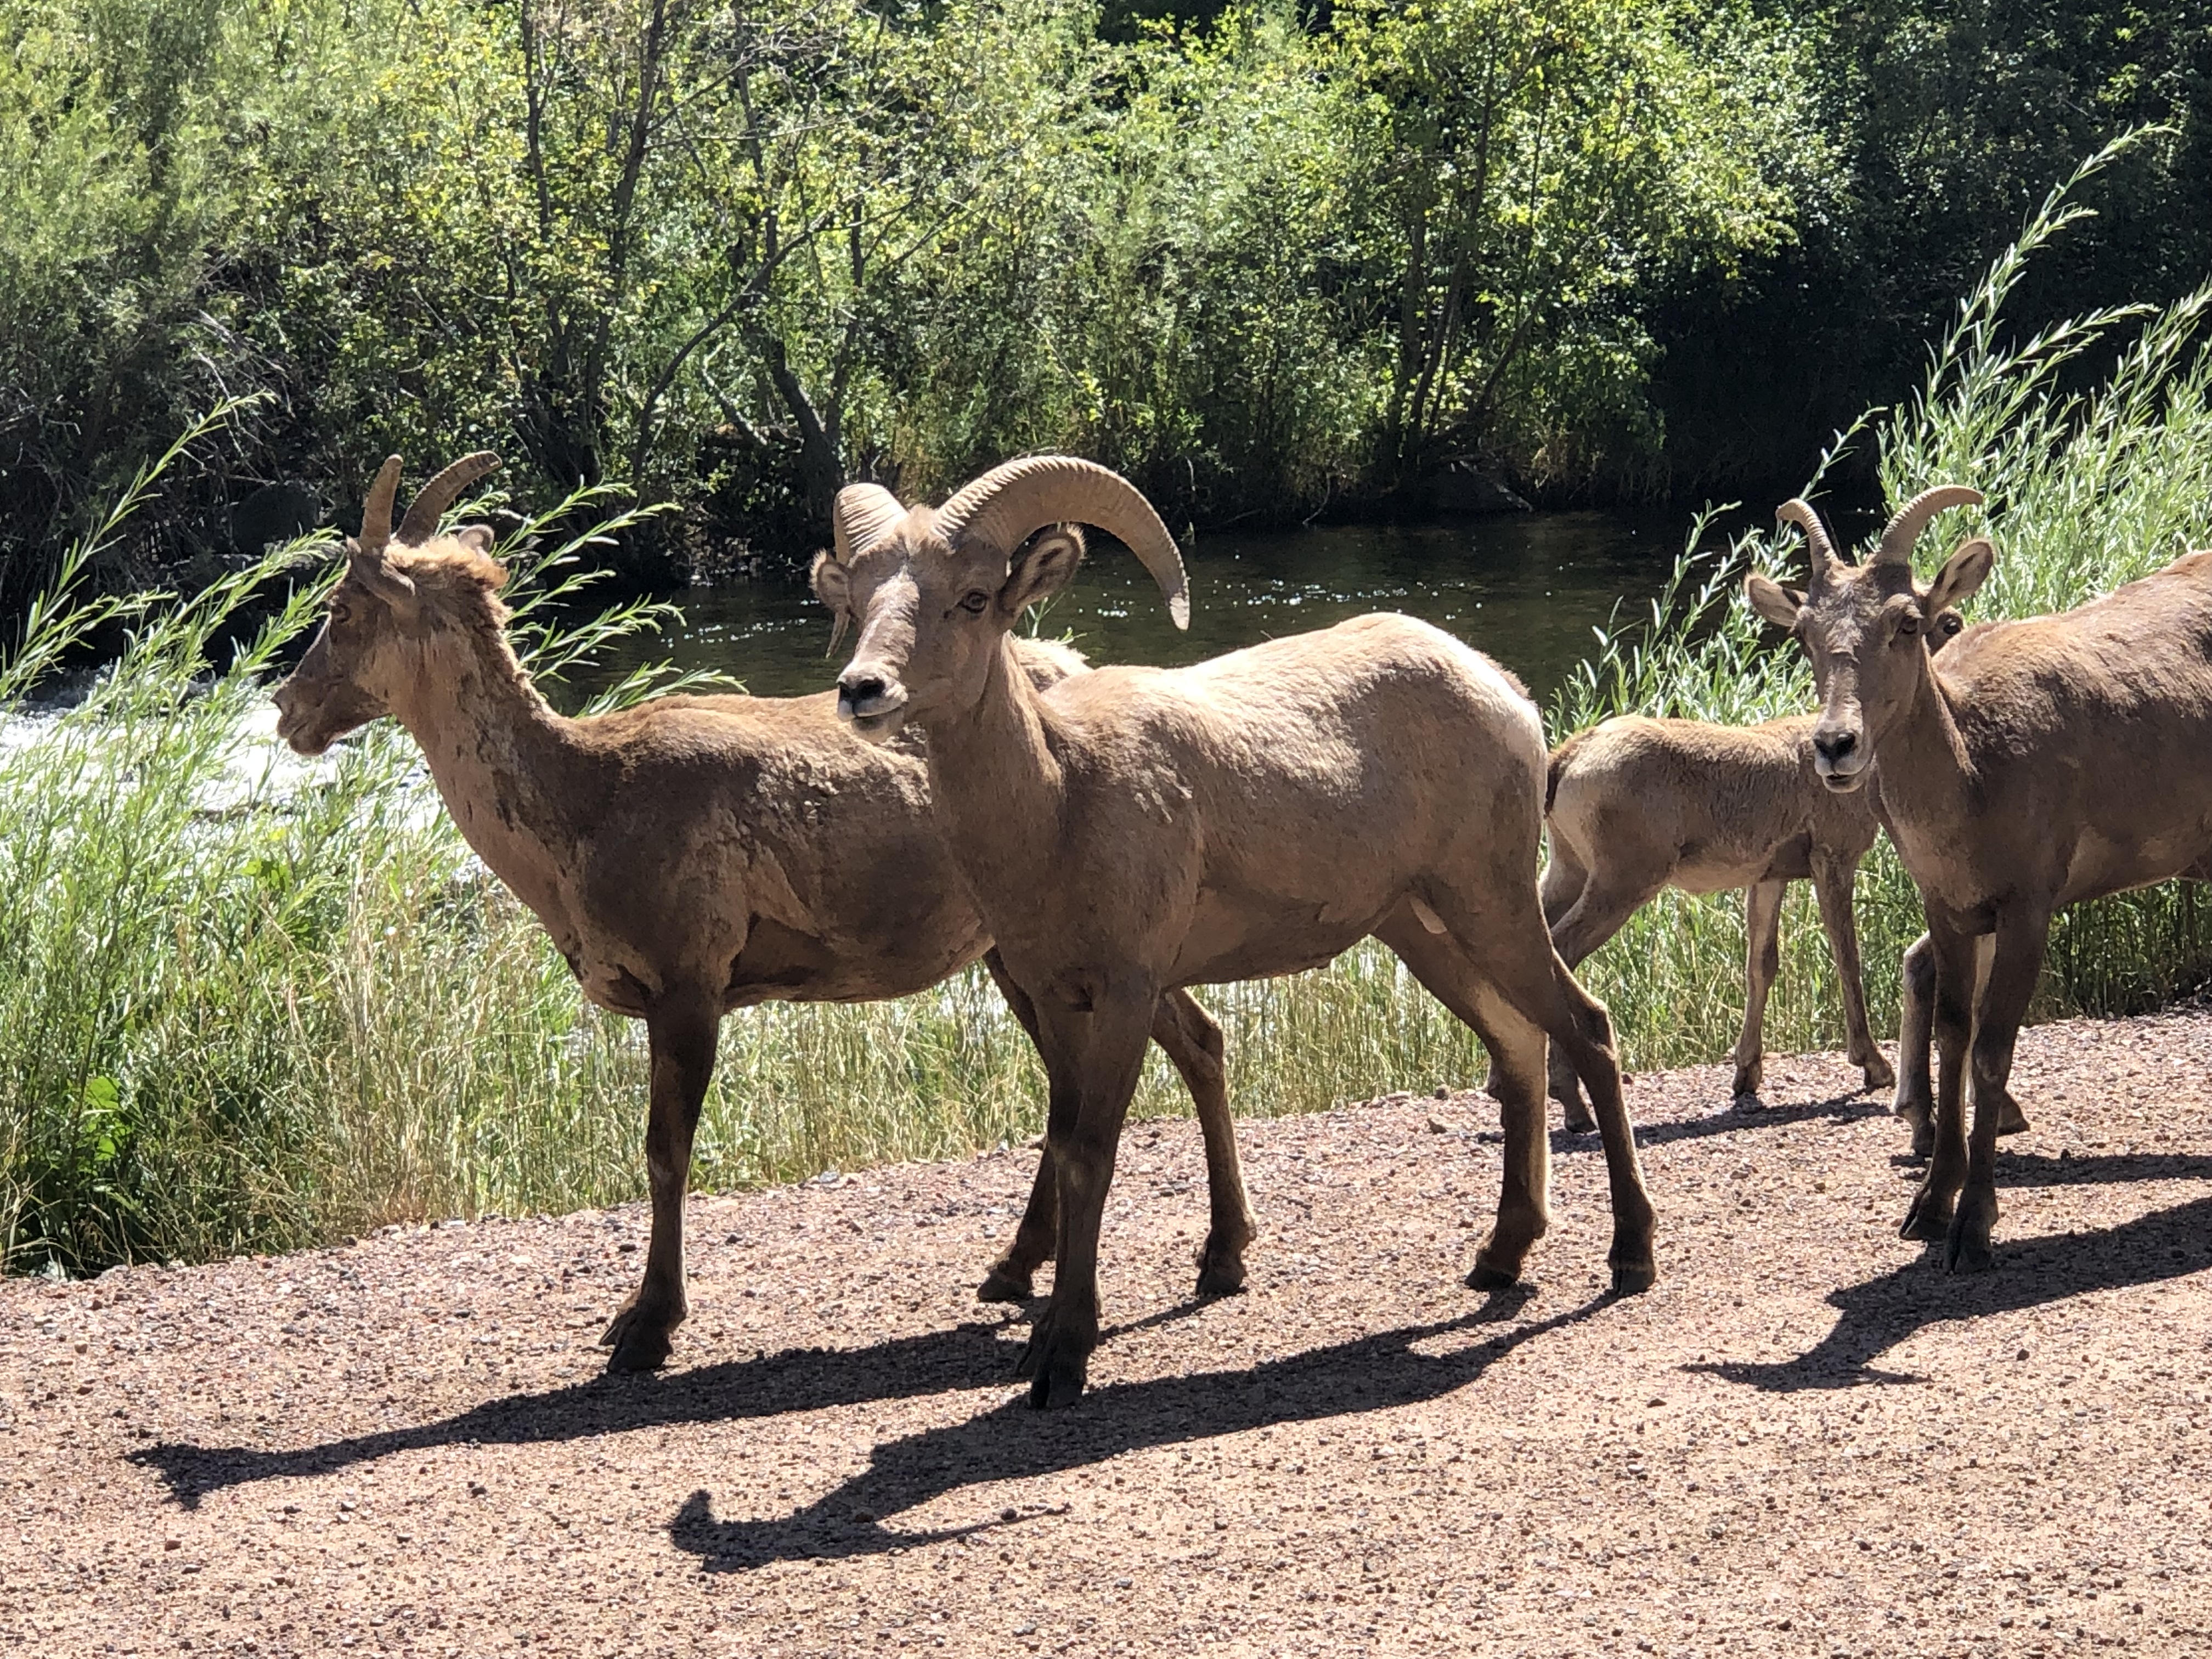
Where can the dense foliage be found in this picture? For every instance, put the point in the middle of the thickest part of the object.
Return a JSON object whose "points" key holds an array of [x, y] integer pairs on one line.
{"points": [[1264, 258]]}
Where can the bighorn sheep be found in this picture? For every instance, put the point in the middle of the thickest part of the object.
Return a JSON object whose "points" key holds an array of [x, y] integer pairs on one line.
{"points": [[690, 856], [1133, 829], [1998, 768], [1635, 804]]}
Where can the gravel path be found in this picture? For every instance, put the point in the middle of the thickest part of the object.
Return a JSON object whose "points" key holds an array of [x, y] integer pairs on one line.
{"points": [[1805, 1441]]}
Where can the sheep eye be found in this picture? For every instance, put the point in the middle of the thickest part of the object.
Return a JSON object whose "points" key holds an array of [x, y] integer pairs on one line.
{"points": [[975, 603], [1907, 627], [1952, 626]]}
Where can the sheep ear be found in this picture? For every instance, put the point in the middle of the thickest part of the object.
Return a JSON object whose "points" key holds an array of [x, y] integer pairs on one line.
{"points": [[1964, 571], [1772, 601], [1041, 569], [477, 536], [375, 575], [833, 585]]}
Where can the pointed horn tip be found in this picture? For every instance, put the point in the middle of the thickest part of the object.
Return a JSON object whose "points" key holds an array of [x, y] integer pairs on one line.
{"points": [[1179, 612]]}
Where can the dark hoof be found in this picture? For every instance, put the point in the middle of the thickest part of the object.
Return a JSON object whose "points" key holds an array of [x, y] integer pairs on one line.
{"points": [[1058, 1384], [639, 1353], [1579, 1121], [1967, 1249], [1747, 1080], [1224, 1277], [1632, 1277], [1879, 1075], [639, 1344], [1483, 1277], [1965, 1253], [1003, 1283], [1929, 1220], [1923, 1139], [2011, 1120], [1054, 1365]]}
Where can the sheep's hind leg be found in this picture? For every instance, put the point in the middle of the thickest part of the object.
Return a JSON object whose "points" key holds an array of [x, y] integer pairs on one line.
{"points": [[1191, 1039], [1517, 1078], [1928, 1219], [2016, 963], [1011, 1275], [1762, 933], [682, 1033], [1915, 1100], [1595, 918], [1832, 884]]}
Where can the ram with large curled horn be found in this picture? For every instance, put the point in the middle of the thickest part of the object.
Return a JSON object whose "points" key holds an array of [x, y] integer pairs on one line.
{"points": [[2033, 764], [689, 856], [1131, 829]]}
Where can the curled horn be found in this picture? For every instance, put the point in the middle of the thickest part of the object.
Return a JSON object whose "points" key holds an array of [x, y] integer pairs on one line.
{"points": [[1912, 517], [1010, 503], [431, 502], [863, 515], [376, 509], [1822, 551]]}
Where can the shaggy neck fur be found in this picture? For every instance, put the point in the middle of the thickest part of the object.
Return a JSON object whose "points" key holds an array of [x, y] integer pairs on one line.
{"points": [[498, 752]]}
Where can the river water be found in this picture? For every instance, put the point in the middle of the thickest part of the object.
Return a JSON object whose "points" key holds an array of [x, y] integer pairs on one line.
{"points": [[1526, 588]]}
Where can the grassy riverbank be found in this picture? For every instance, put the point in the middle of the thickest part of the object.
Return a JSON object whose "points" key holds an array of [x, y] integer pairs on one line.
{"points": [[245, 1010]]}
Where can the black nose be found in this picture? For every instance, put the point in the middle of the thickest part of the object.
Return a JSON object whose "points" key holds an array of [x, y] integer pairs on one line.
{"points": [[1835, 745], [861, 688]]}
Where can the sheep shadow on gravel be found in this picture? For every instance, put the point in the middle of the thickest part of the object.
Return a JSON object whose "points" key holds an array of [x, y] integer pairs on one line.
{"points": [[790, 1379], [1012, 1441], [1371, 1373], [1881, 1313]]}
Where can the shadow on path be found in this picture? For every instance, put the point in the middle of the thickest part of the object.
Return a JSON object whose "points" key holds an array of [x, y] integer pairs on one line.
{"points": [[794, 1380], [2030, 1273], [1013, 1443]]}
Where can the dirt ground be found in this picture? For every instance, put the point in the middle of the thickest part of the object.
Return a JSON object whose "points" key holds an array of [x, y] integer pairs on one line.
{"points": [[1806, 1440]]}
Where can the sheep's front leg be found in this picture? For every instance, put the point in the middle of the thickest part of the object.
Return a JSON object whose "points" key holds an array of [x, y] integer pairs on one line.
{"points": [[682, 1032], [2015, 964], [1093, 1057]]}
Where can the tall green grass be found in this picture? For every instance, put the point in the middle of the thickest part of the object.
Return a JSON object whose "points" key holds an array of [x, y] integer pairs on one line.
{"points": [[240, 1012]]}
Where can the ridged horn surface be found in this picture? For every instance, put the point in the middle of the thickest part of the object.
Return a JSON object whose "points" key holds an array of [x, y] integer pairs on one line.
{"points": [[1902, 531], [1800, 512], [376, 509], [431, 502], [1011, 503], [863, 515]]}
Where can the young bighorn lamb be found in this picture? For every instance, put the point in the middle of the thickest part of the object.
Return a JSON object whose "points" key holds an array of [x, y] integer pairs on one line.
{"points": [[690, 856], [1997, 780], [1132, 829], [1638, 804]]}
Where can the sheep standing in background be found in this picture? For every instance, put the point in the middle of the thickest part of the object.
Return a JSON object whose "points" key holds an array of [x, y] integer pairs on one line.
{"points": [[2040, 762], [1635, 805], [1131, 829], [689, 856]]}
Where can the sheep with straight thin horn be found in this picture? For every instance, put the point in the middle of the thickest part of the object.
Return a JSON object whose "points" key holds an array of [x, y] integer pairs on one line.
{"points": [[2038, 764], [689, 856], [1133, 830]]}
